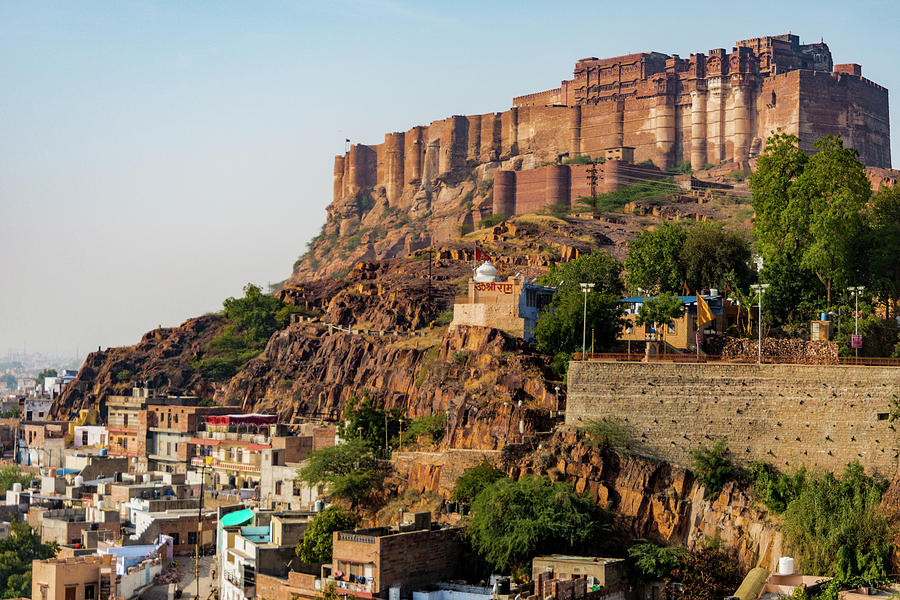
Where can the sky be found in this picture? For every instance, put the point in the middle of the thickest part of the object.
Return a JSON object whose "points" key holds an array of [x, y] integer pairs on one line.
{"points": [[155, 157]]}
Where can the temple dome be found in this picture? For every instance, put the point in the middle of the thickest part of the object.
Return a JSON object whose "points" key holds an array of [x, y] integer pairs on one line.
{"points": [[486, 273]]}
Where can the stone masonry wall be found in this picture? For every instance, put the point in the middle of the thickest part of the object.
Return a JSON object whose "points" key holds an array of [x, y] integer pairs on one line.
{"points": [[786, 415]]}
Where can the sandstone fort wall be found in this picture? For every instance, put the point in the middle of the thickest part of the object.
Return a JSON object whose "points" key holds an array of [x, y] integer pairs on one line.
{"points": [[786, 415], [705, 109]]}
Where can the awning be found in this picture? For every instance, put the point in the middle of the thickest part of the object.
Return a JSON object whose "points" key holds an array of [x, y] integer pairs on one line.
{"points": [[203, 442], [258, 446], [248, 419], [238, 517]]}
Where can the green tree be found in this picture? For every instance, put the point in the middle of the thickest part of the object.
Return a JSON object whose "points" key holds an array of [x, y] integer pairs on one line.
{"points": [[474, 479], [654, 259], [251, 322], [777, 169], [13, 474], [350, 471], [515, 520], [660, 311], [362, 419], [44, 374], [657, 562], [16, 553], [317, 543], [883, 222], [835, 525], [831, 193], [710, 256], [712, 467], [559, 327]]}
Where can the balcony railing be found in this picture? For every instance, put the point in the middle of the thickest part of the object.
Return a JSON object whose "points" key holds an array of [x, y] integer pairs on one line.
{"points": [[199, 461], [255, 438]]}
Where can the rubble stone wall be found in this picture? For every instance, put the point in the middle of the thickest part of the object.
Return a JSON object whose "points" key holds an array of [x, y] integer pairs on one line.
{"points": [[786, 415]]}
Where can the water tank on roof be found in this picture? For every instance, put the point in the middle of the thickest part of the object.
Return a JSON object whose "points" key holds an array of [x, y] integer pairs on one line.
{"points": [[319, 506], [785, 565], [146, 478], [713, 292], [17, 487], [79, 480], [103, 452]]}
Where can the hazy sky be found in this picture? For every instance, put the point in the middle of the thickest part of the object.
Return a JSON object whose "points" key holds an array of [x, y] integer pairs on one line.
{"points": [[157, 156]]}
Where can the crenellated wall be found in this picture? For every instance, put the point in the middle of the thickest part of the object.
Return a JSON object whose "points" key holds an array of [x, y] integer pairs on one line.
{"points": [[705, 109]]}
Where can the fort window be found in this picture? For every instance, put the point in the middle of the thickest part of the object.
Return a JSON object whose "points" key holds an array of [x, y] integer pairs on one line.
{"points": [[882, 416], [773, 99]]}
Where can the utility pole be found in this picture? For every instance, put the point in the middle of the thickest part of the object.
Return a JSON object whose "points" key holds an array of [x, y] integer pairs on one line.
{"points": [[199, 526], [585, 287]]}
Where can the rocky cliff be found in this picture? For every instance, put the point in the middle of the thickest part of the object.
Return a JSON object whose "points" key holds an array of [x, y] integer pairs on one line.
{"points": [[161, 360]]}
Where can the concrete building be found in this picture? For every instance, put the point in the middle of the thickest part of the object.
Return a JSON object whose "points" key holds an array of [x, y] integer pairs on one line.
{"points": [[42, 443], [512, 305], [171, 423], [368, 562], [36, 409], [278, 487], [606, 572], [249, 551], [91, 577], [237, 447], [65, 526]]}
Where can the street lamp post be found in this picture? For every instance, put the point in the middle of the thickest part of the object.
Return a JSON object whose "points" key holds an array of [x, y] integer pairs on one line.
{"points": [[760, 289], [585, 287], [856, 290]]}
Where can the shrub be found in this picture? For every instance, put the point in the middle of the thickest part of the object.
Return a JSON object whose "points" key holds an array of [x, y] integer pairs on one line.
{"points": [[583, 159], [474, 479], [836, 527], [433, 426], [607, 434], [485, 186], [646, 163], [683, 168], [491, 221], [444, 318], [712, 467], [655, 561], [123, 375], [775, 490]]}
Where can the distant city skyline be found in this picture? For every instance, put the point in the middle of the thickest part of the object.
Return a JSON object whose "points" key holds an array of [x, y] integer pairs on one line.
{"points": [[158, 156]]}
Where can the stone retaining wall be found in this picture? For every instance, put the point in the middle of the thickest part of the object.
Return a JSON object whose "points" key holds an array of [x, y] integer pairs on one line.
{"points": [[787, 415]]}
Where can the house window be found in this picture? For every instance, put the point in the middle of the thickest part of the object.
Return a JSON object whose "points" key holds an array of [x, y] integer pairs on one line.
{"points": [[192, 537], [277, 488], [90, 593], [43, 592], [671, 328], [126, 419]]}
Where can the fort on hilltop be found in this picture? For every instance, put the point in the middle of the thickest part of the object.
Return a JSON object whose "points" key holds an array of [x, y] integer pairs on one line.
{"points": [[705, 109]]}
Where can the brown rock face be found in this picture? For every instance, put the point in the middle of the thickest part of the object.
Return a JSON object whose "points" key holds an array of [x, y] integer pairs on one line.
{"points": [[162, 360], [477, 375]]}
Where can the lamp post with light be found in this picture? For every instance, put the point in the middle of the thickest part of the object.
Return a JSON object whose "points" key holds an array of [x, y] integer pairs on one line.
{"points": [[856, 290], [585, 287], [760, 289]]}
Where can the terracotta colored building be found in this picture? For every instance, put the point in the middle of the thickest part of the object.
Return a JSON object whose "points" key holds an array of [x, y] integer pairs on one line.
{"points": [[91, 577]]}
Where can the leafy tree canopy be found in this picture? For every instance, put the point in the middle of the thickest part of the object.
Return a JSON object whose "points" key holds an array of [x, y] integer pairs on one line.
{"points": [[16, 553], [350, 471], [251, 322], [654, 259], [363, 420], [657, 562], [515, 520], [317, 543], [44, 374], [560, 326], [474, 479], [809, 210], [13, 474]]}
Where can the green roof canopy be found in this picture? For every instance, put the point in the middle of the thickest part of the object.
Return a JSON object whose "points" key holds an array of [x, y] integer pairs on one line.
{"points": [[238, 517]]}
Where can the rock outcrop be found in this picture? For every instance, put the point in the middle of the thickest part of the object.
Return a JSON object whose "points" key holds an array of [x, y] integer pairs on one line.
{"points": [[162, 360]]}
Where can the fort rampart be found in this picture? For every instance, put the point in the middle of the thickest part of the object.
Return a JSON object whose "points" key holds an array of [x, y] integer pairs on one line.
{"points": [[786, 415], [704, 109]]}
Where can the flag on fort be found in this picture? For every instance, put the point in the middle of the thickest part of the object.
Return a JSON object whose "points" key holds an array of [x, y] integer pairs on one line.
{"points": [[704, 314], [481, 254], [687, 290]]}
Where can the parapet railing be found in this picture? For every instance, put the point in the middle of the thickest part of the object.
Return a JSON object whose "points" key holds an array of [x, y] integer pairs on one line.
{"points": [[713, 358]]}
